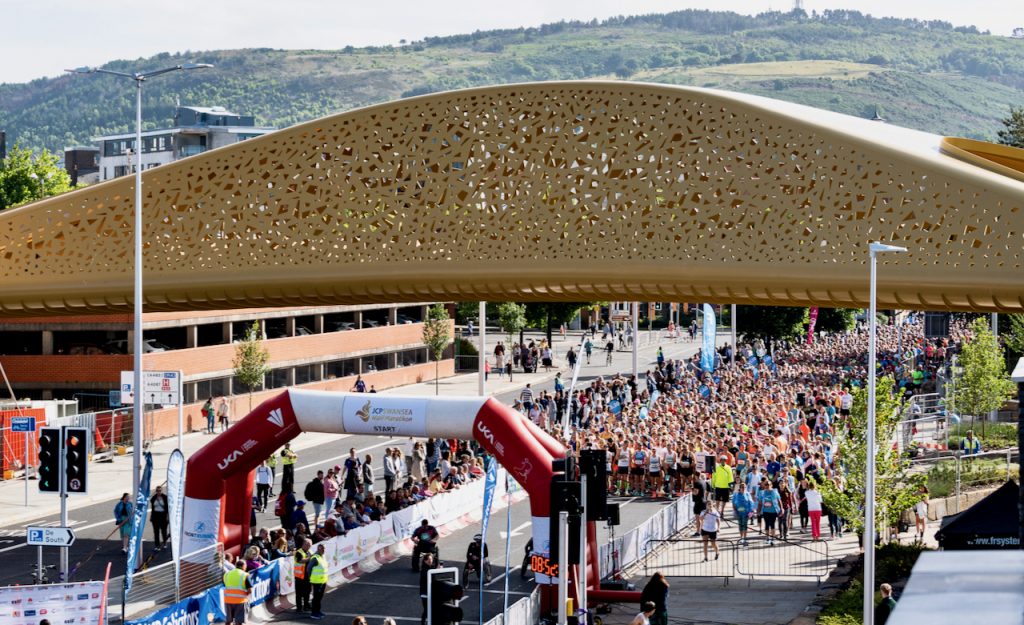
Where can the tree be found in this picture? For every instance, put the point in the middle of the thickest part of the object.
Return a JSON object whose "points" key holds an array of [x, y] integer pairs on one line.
{"points": [[465, 311], [896, 489], [770, 322], [24, 179], [251, 360], [1014, 338], [1013, 134], [549, 314], [984, 385], [835, 319], [511, 318], [436, 336]]}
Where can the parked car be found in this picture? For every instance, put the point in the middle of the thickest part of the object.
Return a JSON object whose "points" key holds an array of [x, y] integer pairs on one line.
{"points": [[122, 346]]}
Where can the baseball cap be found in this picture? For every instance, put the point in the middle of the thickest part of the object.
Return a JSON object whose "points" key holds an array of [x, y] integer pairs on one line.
{"points": [[300, 503]]}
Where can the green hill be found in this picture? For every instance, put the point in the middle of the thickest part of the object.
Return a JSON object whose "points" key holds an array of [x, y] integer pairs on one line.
{"points": [[926, 75]]}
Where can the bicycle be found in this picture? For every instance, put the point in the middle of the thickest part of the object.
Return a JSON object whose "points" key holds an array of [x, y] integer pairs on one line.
{"points": [[42, 579], [608, 358]]}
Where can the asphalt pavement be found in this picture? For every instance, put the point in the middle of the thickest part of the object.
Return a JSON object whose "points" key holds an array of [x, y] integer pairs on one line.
{"points": [[390, 591]]}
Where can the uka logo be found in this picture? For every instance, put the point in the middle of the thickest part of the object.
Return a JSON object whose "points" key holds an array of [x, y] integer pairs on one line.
{"points": [[236, 454], [276, 417], [489, 436]]}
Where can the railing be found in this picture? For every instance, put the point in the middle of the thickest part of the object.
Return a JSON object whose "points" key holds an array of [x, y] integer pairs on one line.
{"points": [[989, 468], [526, 611], [685, 557], [153, 588]]}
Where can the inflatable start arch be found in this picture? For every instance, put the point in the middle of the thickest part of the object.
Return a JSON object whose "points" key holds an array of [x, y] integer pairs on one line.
{"points": [[218, 486]]}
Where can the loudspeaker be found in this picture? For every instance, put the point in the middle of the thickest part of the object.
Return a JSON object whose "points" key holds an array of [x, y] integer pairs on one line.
{"points": [[936, 325], [613, 514]]}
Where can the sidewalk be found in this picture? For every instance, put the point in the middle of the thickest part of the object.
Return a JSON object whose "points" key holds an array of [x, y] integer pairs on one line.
{"points": [[109, 480]]}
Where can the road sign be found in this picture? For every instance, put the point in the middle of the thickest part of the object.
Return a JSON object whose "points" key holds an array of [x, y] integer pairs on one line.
{"points": [[50, 536], [23, 424], [158, 387]]}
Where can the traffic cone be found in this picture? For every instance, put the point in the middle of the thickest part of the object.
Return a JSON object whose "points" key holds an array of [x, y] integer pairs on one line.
{"points": [[99, 439]]}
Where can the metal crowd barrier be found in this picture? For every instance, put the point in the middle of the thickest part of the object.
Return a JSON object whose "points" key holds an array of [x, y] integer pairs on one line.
{"points": [[154, 588]]}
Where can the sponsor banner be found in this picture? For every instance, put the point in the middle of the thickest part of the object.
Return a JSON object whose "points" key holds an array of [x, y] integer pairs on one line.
{"points": [[138, 522], [175, 498], [196, 610], [368, 413], [490, 485], [285, 576], [707, 350], [265, 583], [61, 604], [200, 525]]}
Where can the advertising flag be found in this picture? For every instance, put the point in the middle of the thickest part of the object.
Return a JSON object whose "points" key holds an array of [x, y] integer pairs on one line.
{"points": [[810, 327], [138, 522], [175, 498]]}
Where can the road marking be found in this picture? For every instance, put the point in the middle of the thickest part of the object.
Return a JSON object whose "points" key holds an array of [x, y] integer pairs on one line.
{"points": [[380, 616], [515, 530], [321, 463], [56, 524], [502, 576]]}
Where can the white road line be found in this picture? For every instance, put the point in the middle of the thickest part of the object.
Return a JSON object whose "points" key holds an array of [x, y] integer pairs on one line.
{"points": [[77, 529], [416, 586], [322, 463]]}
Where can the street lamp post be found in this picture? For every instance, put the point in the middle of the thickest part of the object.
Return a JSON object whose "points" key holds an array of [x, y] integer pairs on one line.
{"points": [[137, 403], [869, 498]]}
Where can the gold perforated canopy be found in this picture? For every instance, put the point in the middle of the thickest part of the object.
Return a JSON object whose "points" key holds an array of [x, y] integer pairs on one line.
{"points": [[551, 191]]}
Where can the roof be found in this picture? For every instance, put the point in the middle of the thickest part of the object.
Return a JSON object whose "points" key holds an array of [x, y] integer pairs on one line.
{"points": [[957, 587], [994, 516], [212, 110], [190, 129]]}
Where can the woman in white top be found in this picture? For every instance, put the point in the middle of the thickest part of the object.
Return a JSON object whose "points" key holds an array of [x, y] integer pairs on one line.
{"points": [[709, 521], [813, 498], [921, 513]]}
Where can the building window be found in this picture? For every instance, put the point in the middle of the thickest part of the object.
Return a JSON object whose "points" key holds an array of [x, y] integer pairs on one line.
{"points": [[278, 378], [205, 389], [341, 368], [411, 357], [305, 374]]}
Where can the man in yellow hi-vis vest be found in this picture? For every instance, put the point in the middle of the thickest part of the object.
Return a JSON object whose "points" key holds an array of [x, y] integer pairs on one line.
{"points": [[316, 573], [721, 480], [302, 587], [236, 594], [288, 458]]}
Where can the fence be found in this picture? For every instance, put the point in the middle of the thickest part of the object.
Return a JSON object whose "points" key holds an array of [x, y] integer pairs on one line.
{"points": [[952, 475], [526, 611], [153, 589], [685, 557], [623, 551]]}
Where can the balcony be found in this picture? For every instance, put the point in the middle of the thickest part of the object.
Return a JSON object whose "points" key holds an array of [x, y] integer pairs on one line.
{"points": [[190, 150]]}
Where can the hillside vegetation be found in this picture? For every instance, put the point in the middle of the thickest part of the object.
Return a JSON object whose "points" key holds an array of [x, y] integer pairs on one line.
{"points": [[925, 75]]}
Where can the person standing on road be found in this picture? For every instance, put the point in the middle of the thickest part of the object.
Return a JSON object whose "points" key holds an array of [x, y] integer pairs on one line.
{"points": [[302, 588], [656, 591], [314, 493], [264, 479], [428, 564], [588, 348], [769, 504], [722, 479], [236, 594], [272, 464], [158, 514], [223, 414], [316, 573], [288, 458], [570, 357], [813, 498], [709, 522], [367, 477], [122, 518], [526, 396], [353, 474], [743, 505]]}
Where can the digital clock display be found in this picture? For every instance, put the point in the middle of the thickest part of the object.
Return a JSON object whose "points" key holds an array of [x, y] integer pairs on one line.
{"points": [[542, 565]]}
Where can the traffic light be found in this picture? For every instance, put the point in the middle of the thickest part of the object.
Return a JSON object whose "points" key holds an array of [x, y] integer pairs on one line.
{"points": [[444, 600], [565, 497], [49, 460], [76, 459], [593, 464]]}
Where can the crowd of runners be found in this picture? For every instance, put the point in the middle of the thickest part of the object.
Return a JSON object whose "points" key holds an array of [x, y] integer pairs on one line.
{"points": [[751, 440]]}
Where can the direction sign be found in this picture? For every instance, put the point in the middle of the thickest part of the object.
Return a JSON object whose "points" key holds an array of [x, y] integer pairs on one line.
{"points": [[158, 387], [50, 536], [23, 424]]}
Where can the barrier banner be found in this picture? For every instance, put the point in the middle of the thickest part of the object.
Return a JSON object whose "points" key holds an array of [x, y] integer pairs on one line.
{"points": [[285, 576], [79, 604], [707, 350], [195, 610], [265, 582], [138, 522]]}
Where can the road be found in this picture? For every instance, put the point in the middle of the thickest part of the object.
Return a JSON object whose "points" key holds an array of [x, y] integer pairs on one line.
{"points": [[392, 590]]}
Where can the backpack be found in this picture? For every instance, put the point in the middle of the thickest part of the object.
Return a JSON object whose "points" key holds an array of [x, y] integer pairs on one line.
{"points": [[279, 505]]}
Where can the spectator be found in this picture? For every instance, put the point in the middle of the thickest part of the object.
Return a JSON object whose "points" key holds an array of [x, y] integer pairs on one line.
{"points": [[885, 607], [314, 493], [656, 592], [159, 517], [123, 512]]}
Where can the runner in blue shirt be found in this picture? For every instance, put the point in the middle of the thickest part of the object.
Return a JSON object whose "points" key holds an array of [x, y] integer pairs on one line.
{"points": [[743, 505], [769, 505]]}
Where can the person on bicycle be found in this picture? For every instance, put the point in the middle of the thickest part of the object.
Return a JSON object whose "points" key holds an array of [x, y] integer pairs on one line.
{"points": [[473, 560], [609, 348], [425, 541]]}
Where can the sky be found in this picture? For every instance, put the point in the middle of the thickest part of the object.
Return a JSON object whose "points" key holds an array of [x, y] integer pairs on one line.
{"points": [[43, 37]]}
